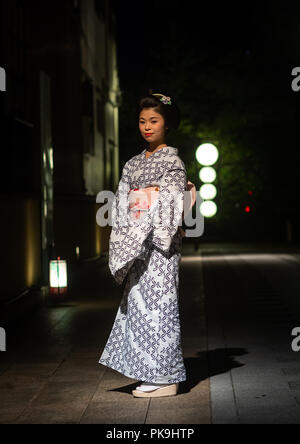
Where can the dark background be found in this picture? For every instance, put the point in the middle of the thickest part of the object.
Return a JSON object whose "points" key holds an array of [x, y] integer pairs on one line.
{"points": [[229, 67]]}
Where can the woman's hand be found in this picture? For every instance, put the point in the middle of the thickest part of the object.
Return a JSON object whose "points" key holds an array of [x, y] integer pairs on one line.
{"points": [[182, 232], [191, 187]]}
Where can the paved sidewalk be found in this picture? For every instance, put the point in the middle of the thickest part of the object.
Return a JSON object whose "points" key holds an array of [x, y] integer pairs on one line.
{"points": [[238, 305], [252, 305], [50, 373]]}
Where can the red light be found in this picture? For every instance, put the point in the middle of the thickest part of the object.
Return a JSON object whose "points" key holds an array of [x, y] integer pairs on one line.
{"points": [[247, 209], [250, 193]]}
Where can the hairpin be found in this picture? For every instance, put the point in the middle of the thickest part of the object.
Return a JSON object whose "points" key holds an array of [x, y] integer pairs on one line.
{"points": [[166, 100]]}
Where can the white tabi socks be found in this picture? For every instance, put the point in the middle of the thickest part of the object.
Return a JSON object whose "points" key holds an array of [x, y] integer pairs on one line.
{"points": [[148, 386]]}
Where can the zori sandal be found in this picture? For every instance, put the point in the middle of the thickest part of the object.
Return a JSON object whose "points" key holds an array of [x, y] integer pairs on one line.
{"points": [[166, 390]]}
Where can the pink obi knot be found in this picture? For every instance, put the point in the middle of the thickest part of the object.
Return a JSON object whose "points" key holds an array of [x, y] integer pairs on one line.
{"points": [[141, 199]]}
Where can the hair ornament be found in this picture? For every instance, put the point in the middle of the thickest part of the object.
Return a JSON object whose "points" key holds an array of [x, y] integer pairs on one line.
{"points": [[166, 100]]}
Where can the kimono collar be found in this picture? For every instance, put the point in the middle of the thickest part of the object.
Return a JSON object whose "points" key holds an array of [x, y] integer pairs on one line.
{"points": [[168, 149]]}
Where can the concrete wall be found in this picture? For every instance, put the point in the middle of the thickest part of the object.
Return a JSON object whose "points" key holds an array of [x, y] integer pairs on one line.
{"points": [[20, 245]]}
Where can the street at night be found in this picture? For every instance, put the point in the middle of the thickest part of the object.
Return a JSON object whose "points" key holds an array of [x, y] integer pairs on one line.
{"points": [[239, 306]]}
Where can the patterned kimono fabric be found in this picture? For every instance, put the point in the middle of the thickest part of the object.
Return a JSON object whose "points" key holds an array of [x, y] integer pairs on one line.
{"points": [[144, 257]]}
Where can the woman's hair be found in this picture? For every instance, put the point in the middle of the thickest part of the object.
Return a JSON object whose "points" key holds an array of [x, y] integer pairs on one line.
{"points": [[170, 113]]}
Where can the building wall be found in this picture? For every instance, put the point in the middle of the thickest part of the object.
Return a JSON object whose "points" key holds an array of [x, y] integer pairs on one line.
{"points": [[99, 135], [99, 66], [72, 42], [21, 255]]}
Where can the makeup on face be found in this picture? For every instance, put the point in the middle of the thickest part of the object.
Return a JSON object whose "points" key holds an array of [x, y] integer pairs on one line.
{"points": [[151, 123]]}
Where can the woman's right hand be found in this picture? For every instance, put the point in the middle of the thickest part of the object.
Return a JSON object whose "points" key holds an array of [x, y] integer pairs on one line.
{"points": [[191, 187]]}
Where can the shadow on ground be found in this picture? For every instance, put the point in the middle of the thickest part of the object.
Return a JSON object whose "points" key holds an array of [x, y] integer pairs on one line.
{"points": [[206, 365]]}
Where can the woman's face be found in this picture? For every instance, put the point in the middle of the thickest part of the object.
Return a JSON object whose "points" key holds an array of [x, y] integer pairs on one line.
{"points": [[152, 126]]}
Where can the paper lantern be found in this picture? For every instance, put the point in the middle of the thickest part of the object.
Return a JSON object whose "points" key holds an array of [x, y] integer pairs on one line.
{"points": [[58, 277]]}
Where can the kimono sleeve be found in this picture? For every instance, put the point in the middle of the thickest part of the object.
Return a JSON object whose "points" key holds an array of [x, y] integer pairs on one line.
{"points": [[170, 206], [127, 239]]}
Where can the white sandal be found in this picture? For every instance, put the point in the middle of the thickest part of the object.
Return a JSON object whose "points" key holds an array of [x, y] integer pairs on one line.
{"points": [[166, 390]]}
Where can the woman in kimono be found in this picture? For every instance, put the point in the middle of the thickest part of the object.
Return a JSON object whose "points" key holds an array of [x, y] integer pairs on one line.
{"points": [[144, 257]]}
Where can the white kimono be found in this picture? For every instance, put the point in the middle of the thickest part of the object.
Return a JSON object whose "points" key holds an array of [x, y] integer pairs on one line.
{"points": [[145, 341]]}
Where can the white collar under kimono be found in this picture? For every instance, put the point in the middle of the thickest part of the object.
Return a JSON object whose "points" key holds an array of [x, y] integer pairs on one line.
{"points": [[165, 169]]}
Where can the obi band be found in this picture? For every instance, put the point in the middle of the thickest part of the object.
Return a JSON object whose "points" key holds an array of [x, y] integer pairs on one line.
{"points": [[141, 199]]}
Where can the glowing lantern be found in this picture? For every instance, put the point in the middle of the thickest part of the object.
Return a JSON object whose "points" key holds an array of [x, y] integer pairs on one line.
{"points": [[208, 208], [208, 191], [207, 154], [207, 175], [58, 277]]}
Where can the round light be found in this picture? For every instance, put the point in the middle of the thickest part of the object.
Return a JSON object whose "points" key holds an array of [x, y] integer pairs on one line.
{"points": [[208, 208], [208, 191], [207, 154], [207, 174]]}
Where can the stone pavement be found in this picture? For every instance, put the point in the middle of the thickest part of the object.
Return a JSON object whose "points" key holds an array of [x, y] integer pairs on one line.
{"points": [[238, 305], [50, 372], [252, 305]]}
